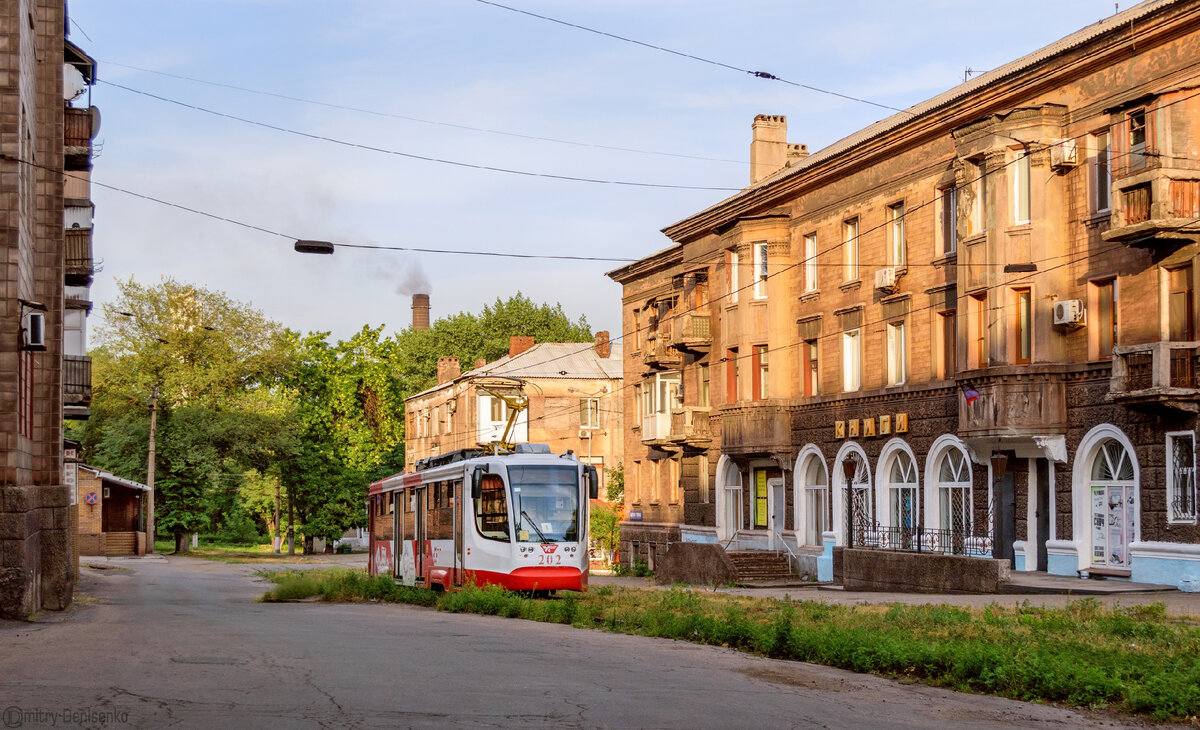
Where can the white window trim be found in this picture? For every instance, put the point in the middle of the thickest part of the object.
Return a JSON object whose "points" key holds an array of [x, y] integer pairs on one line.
{"points": [[592, 408], [850, 243], [1097, 183], [896, 233], [810, 262], [1171, 486], [852, 371], [1022, 194], [948, 208], [897, 370], [761, 262], [733, 277]]}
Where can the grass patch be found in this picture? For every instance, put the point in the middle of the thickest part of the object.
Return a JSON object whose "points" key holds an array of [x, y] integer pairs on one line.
{"points": [[1135, 659], [238, 554]]}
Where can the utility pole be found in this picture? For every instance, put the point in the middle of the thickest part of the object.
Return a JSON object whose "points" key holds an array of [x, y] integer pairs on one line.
{"points": [[150, 531]]}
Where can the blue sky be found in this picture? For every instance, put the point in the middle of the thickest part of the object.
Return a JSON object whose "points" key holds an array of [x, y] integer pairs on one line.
{"points": [[462, 62]]}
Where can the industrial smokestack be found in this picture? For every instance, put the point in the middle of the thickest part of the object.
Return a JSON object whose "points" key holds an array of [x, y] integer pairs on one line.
{"points": [[420, 307]]}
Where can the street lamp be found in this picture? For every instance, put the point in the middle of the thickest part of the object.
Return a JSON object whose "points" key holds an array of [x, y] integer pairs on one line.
{"points": [[848, 469]]}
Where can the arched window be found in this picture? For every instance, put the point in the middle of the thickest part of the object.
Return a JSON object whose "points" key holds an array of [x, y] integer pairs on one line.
{"points": [[729, 498], [816, 491], [1114, 505], [954, 494], [858, 496]]}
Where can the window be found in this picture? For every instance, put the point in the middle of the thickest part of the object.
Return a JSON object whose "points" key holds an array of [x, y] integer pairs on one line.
{"points": [[810, 262], [896, 243], [1181, 477], [648, 400], [491, 509], [759, 363], [1101, 172], [896, 374], [655, 481], [949, 219], [1024, 326], [1180, 327], [760, 271], [816, 487], [948, 343], [1114, 505], [705, 386], [809, 368], [850, 247], [954, 498], [700, 291], [759, 500], [637, 328], [979, 331], [1137, 139], [731, 375], [673, 483], [977, 222], [637, 401], [1021, 190], [589, 413], [851, 361], [731, 265], [702, 473], [1106, 317], [497, 409], [902, 494], [635, 482], [437, 420]]}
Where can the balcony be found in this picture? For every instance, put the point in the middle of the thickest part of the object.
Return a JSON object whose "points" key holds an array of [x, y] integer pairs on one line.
{"points": [[79, 127], [78, 268], [77, 385], [691, 332], [756, 427], [689, 426], [658, 355], [1158, 204], [1014, 401], [1157, 374]]}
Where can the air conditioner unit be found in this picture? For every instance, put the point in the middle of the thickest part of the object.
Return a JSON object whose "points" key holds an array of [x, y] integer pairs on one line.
{"points": [[1064, 154], [1069, 312], [33, 333], [584, 434], [885, 278]]}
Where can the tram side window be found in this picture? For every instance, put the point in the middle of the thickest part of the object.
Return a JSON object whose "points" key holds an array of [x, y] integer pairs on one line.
{"points": [[491, 509]]}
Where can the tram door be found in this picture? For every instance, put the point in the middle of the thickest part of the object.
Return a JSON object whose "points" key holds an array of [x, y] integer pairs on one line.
{"points": [[456, 501], [419, 534]]}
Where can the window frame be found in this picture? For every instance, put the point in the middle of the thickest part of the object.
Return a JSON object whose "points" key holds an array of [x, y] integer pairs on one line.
{"points": [[948, 219], [810, 263], [761, 261], [760, 361], [1023, 325], [897, 354], [589, 407], [850, 235], [852, 360], [897, 239], [1022, 170], [731, 262], [1101, 172], [1173, 487], [810, 367]]}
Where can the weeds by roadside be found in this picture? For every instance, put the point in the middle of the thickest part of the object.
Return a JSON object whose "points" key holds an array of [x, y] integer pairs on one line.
{"points": [[1136, 659]]}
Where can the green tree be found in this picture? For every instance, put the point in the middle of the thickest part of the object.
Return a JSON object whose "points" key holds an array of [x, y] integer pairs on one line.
{"points": [[615, 489], [604, 530]]}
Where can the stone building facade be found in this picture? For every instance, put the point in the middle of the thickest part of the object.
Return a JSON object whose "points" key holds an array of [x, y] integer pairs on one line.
{"points": [[978, 313], [573, 390], [36, 568]]}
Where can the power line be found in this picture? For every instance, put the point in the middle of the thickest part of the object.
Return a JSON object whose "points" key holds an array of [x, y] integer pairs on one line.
{"points": [[410, 155], [757, 74], [434, 122]]}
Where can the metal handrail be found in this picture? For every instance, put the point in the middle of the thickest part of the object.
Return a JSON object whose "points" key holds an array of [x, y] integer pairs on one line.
{"points": [[779, 534]]}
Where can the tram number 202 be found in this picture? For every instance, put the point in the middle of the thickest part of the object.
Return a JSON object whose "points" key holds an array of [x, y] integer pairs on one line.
{"points": [[549, 559]]}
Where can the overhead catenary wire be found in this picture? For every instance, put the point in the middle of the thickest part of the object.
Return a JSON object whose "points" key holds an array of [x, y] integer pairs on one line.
{"points": [[413, 155], [757, 74], [420, 120]]}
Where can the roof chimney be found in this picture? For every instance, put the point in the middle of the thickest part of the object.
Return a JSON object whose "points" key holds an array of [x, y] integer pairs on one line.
{"points": [[420, 307], [768, 146], [517, 345], [603, 346], [448, 369], [480, 362]]}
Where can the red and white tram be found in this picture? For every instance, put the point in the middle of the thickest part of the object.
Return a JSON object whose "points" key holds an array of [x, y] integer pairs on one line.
{"points": [[517, 520]]}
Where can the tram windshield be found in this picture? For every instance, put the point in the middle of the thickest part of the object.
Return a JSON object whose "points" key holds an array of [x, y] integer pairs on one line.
{"points": [[545, 502]]}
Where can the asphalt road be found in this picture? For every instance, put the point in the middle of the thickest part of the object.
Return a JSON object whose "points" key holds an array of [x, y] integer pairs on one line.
{"points": [[181, 643]]}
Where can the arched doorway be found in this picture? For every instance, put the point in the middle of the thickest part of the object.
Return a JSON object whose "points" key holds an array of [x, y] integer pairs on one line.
{"points": [[898, 499], [949, 497], [810, 494], [1106, 499], [729, 499], [854, 496]]}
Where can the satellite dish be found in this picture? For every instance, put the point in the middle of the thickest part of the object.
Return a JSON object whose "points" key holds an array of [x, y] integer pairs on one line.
{"points": [[73, 83]]}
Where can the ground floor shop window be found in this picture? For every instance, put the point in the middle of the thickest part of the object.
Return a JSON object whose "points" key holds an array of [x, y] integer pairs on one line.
{"points": [[1114, 505], [1181, 477]]}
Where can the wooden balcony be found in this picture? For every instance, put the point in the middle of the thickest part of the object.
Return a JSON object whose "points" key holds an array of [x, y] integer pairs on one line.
{"points": [[691, 332], [77, 381], [689, 426], [1014, 401], [1160, 204], [659, 356], [78, 265], [79, 127], [756, 427], [1157, 374]]}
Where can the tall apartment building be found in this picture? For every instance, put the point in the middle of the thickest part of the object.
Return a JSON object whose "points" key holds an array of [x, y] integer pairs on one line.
{"points": [[573, 392], [971, 324], [45, 141]]}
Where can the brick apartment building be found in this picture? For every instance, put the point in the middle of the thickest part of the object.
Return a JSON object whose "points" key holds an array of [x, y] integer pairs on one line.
{"points": [[574, 403], [45, 153], [971, 324]]}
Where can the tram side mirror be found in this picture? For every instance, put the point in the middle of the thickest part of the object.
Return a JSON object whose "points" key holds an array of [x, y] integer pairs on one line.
{"points": [[593, 482], [477, 481]]}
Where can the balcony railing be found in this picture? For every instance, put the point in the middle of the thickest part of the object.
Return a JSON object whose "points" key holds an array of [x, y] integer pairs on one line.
{"points": [[756, 427], [1159, 203], [1166, 373], [691, 332], [658, 355], [78, 255], [689, 425], [1014, 400], [77, 127], [77, 380]]}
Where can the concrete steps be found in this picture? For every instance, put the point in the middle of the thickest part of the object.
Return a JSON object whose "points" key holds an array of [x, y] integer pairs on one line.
{"points": [[759, 566]]}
